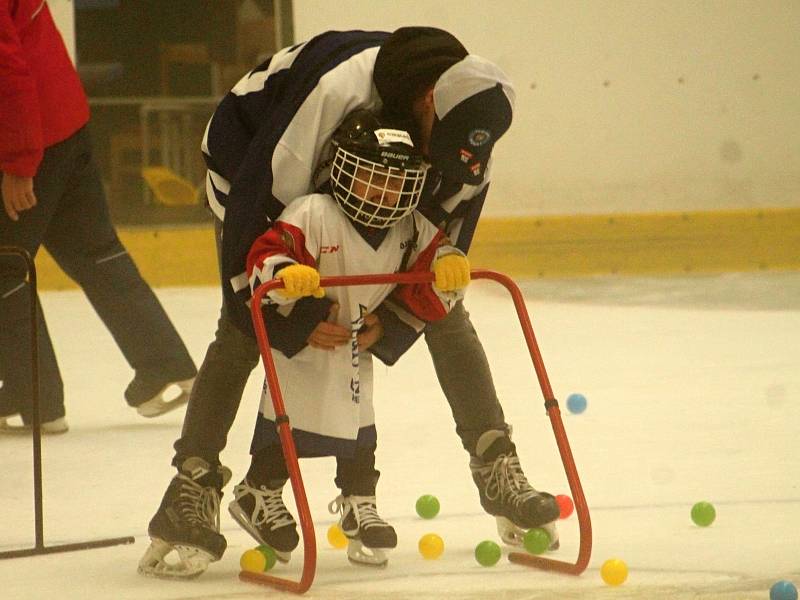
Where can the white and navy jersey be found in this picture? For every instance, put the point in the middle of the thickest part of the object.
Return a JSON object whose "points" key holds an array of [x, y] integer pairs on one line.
{"points": [[271, 132], [328, 393]]}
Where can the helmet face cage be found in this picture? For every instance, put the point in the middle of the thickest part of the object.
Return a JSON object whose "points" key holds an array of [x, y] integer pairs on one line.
{"points": [[376, 174]]}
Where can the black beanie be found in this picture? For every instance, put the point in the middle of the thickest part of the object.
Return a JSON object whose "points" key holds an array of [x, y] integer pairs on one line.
{"points": [[413, 58]]}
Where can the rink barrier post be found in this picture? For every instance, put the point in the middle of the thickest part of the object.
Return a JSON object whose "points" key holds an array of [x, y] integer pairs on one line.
{"points": [[290, 451], [36, 430]]}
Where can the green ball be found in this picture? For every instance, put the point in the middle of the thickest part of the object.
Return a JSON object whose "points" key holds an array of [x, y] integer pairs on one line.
{"points": [[427, 506], [536, 540], [269, 555], [487, 553], [703, 514]]}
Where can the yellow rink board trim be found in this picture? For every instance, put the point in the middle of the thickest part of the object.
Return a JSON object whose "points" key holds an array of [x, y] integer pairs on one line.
{"points": [[557, 246]]}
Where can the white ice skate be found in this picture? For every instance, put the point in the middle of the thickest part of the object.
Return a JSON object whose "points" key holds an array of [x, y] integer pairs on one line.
{"points": [[191, 562], [513, 535], [56, 426], [163, 402], [369, 536]]}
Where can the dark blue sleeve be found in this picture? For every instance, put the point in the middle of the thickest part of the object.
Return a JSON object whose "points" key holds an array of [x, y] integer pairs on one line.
{"points": [[251, 207], [397, 339], [288, 334]]}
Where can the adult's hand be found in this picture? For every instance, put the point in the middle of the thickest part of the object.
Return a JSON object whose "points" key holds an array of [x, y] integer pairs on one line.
{"points": [[17, 195], [329, 335]]}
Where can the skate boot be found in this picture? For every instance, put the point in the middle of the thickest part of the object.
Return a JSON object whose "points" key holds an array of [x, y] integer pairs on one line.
{"points": [[368, 535], [155, 395], [261, 512], [187, 522], [505, 492]]}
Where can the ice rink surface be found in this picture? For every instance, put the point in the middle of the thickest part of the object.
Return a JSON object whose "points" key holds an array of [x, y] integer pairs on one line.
{"points": [[693, 388]]}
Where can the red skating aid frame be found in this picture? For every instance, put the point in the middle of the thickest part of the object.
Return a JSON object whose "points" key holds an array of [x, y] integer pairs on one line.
{"points": [[290, 452]]}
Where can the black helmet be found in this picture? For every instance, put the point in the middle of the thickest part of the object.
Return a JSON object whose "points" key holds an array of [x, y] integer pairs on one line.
{"points": [[376, 174]]}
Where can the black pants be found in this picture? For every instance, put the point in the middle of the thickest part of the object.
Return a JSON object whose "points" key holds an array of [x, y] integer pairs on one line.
{"points": [[71, 219], [458, 356], [356, 475]]}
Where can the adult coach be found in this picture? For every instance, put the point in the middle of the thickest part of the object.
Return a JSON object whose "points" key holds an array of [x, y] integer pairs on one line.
{"points": [[52, 195], [267, 144]]}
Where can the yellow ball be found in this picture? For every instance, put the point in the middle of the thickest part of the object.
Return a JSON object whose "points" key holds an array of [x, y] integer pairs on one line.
{"points": [[431, 546], [336, 537], [254, 561], [614, 571]]}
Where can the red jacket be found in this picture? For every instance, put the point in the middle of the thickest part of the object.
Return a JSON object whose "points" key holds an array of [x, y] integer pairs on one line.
{"points": [[42, 101]]}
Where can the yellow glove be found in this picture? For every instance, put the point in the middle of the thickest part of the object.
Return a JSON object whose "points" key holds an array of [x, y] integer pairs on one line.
{"points": [[299, 281], [452, 272]]}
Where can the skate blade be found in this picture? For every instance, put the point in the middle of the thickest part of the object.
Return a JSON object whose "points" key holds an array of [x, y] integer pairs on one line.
{"points": [[159, 405], [192, 562], [513, 535], [55, 427], [360, 555], [239, 516]]}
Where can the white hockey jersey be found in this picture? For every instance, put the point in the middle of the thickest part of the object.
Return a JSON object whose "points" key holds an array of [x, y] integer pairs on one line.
{"points": [[328, 393]]}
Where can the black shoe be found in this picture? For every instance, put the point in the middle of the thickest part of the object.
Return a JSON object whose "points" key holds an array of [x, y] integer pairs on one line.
{"points": [[261, 512], [360, 521], [504, 490], [189, 513], [148, 394]]}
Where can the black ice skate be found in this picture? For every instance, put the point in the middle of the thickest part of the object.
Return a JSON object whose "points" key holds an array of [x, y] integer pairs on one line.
{"points": [[155, 395], [505, 492], [187, 522], [262, 513], [365, 530]]}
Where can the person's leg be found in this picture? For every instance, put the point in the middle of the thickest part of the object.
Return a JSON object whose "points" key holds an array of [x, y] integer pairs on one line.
{"points": [[15, 326], [218, 389], [463, 373], [357, 478], [213, 403], [83, 241]]}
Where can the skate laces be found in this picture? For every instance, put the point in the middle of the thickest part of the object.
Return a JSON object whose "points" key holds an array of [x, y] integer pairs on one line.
{"points": [[269, 507], [507, 481], [199, 504], [364, 509]]}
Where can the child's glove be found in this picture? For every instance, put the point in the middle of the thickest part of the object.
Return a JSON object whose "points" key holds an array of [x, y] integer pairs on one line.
{"points": [[452, 272], [299, 281]]}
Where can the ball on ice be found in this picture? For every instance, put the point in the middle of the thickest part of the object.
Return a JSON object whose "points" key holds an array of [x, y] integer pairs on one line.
{"points": [[576, 403], [703, 514], [431, 546], [487, 553], [427, 506]]}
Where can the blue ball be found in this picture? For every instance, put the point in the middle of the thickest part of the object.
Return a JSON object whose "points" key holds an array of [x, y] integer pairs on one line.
{"points": [[783, 590], [576, 403]]}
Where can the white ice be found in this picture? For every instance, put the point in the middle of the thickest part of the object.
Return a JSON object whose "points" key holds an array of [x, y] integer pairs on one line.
{"points": [[693, 388]]}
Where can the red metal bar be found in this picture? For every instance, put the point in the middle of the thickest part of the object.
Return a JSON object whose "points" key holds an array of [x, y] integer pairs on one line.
{"points": [[290, 452], [551, 405]]}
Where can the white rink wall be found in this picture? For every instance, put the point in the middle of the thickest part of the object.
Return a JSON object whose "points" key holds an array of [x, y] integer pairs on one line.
{"points": [[625, 106]]}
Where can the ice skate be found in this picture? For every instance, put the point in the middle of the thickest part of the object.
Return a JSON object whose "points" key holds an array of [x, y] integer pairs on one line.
{"points": [[154, 397], [368, 535], [505, 492], [513, 535], [53, 427], [187, 522], [261, 512]]}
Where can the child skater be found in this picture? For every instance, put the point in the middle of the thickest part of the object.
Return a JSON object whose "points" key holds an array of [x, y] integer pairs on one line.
{"points": [[363, 222]]}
